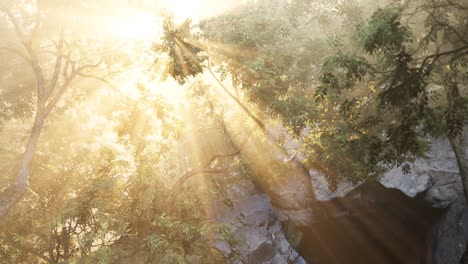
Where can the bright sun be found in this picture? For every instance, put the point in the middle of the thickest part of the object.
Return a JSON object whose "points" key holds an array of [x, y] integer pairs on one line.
{"points": [[140, 27], [137, 27], [183, 9]]}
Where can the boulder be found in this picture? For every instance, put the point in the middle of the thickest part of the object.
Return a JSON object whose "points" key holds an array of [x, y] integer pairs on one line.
{"points": [[449, 239]]}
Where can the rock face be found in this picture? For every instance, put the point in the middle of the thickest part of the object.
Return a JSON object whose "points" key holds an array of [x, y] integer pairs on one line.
{"points": [[255, 233], [286, 182], [255, 226], [450, 237], [371, 224], [437, 176], [258, 206], [436, 180]]}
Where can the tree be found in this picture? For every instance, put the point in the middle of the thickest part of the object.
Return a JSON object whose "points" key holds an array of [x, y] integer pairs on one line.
{"points": [[272, 180], [97, 190], [33, 35], [416, 78], [366, 97], [100, 194], [272, 52]]}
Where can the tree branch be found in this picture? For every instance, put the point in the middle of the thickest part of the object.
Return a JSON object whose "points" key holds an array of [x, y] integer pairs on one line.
{"points": [[180, 182], [101, 79], [436, 56], [34, 60], [75, 72], [239, 103], [57, 68]]}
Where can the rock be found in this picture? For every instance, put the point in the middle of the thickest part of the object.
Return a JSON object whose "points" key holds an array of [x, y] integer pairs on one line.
{"points": [[322, 192], [450, 237], [437, 176], [264, 254], [244, 206], [255, 226], [411, 184]]}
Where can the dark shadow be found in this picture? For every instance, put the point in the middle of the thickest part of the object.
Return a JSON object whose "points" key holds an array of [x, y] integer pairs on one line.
{"points": [[371, 224]]}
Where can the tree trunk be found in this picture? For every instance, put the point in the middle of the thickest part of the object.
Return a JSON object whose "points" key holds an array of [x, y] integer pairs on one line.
{"points": [[458, 146], [13, 193], [457, 140]]}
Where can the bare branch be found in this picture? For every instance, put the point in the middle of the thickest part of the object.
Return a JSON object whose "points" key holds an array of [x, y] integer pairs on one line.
{"points": [[58, 66], [105, 81], [101, 79], [293, 156], [451, 28], [37, 21], [188, 175], [438, 55], [75, 72], [15, 23], [89, 66], [34, 61]]}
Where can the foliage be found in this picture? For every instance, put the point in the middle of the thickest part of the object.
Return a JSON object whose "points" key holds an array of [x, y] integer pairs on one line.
{"points": [[99, 185], [184, 57], [364, 89], [367, 97], [402, 78]]}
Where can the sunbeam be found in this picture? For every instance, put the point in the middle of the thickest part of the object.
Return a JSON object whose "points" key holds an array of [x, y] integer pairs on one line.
{"points": [[234, 131]]}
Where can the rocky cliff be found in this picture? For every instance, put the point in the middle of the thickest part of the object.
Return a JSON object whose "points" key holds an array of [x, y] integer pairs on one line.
{"points": [[257, 212]]}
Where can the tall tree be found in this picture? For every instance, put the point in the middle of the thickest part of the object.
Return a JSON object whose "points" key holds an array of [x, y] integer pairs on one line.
{"points": [[33, 38]]}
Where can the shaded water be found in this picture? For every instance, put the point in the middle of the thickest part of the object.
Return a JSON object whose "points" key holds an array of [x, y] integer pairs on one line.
{"points": [[372, 224]]}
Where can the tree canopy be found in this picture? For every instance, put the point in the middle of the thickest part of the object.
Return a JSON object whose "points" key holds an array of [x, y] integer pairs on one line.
{"points": [[100, 123]]}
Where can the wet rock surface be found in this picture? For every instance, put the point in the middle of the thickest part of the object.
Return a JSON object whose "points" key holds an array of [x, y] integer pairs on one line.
{"points": [[371, 224]]}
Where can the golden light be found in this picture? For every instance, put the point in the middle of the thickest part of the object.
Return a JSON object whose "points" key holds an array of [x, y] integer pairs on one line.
{"points": [[183, 9], [141, 26], [198, 9]]}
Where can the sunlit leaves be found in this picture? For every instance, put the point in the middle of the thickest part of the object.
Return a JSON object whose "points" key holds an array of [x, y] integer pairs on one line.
{"points": [[403, 106], [184, 60]]}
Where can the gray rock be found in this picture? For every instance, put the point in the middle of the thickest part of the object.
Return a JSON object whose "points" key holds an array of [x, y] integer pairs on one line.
{"points": [[257, 218], [322, 192], [437, 176], [256, 225], [300, 260], [277, 260], [411, 184], [264, 254], [450, 238]]}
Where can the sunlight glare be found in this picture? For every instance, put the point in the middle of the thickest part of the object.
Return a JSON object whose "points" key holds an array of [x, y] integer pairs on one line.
{"points": [[183, 9], [137, 27], [198, 9]]}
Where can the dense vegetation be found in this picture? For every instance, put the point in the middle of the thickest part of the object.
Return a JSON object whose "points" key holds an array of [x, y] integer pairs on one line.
{"points": [[100, 177]]}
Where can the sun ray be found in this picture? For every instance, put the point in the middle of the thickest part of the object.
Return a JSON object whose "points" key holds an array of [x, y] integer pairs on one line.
{"points": [[182, 63], [216, 49]]}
